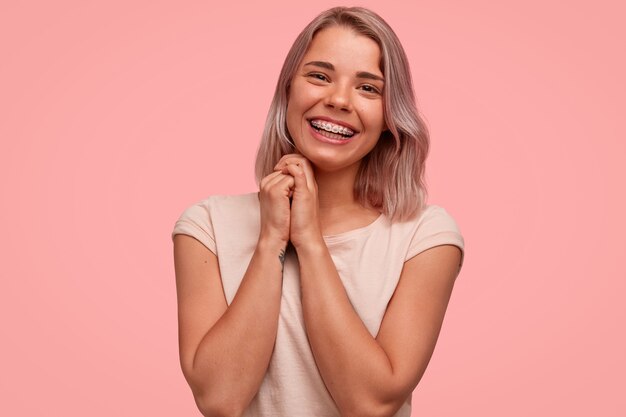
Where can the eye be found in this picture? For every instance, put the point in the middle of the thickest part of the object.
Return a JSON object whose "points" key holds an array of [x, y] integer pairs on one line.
{"points": [[370, 89], [318, 76]]}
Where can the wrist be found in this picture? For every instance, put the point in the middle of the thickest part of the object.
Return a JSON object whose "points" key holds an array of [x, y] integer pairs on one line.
{"points": [[271, 243], [313, 247]]}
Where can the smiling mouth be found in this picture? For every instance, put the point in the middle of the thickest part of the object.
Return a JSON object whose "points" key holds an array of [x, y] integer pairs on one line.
{"points": [[331, 130]]}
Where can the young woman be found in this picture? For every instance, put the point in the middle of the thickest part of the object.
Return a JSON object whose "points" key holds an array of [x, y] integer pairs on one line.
{"points": [[324, 293]]}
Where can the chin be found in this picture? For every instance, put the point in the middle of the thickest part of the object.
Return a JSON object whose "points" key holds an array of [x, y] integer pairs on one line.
{"points": [[326, 165], [327, 160]]}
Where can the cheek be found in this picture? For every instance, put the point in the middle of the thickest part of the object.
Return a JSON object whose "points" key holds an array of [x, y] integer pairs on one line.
{"points": [[374, 116], [294, 106], [299, 104], [306, 95], [293, 120], [378, 117]]}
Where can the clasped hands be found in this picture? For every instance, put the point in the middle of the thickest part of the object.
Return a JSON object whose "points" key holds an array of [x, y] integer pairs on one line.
{"points": [[305, 226]]}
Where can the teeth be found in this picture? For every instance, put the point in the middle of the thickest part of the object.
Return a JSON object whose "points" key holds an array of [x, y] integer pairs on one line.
{"points": [[331, 127]]}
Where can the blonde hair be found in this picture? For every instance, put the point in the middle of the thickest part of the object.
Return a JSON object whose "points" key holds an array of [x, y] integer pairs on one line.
{"points": [[401, 150]]}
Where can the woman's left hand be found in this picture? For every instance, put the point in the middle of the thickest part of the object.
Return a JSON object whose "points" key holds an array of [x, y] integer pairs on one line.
{"points": [[305, 225]]}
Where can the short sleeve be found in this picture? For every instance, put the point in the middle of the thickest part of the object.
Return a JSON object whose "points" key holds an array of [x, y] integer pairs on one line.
{"points": [[436, 228], [195, 221]]}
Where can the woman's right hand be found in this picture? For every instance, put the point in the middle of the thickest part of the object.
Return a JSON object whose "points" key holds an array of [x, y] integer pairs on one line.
{"points": [[275, 191]]}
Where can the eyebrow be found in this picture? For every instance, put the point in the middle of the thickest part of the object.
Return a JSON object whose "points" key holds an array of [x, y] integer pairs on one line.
{"points": [[359, 74]]}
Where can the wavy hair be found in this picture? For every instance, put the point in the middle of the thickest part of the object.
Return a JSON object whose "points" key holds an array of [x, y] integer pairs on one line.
{"points": [[400, 152]]}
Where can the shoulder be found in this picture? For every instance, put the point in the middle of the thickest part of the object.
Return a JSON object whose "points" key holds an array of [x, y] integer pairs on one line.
{"points": [[213, 202], [437, 217], [198, 220], [434, 226]]}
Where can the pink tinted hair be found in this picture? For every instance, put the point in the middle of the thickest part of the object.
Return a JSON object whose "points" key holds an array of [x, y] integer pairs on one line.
{"points": [[391, 175]]}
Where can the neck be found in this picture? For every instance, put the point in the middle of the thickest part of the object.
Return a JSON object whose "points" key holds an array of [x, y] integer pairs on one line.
{"points": [[335, 190]]}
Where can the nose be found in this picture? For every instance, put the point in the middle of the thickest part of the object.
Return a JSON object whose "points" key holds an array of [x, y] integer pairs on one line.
{"points": [[339, 98]]}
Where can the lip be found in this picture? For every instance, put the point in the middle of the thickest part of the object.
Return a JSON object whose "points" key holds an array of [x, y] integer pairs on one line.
{"points": [[337, 122], [323, 138]]}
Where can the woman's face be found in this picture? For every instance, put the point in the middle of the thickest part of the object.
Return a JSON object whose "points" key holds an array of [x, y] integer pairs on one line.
{"points": [[335, 107]]}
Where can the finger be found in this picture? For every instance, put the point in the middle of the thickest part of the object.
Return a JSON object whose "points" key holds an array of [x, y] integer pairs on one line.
{"points": [[286, 185], [273, 177], [306, 167], [276, 179], [268, 178], [301, 160], [299, 176], [289, 158], [310, 176], [289, 155]]}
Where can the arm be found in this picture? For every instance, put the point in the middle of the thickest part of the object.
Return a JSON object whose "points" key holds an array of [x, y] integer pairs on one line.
{"points": [[225, 350], [368, 376]]}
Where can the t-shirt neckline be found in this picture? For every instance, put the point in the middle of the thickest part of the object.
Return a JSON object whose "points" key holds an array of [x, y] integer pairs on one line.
{"points": [[337, 237]]}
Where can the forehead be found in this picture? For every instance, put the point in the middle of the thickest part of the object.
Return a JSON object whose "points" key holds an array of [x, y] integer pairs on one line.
{"points": [[345, 49]]}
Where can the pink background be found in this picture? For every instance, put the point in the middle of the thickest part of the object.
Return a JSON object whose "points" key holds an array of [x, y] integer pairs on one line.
{"points": [[115, 116]]}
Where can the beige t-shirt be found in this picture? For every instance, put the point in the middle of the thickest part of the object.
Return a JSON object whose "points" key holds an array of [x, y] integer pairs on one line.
{"points": [[369, 261]]}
